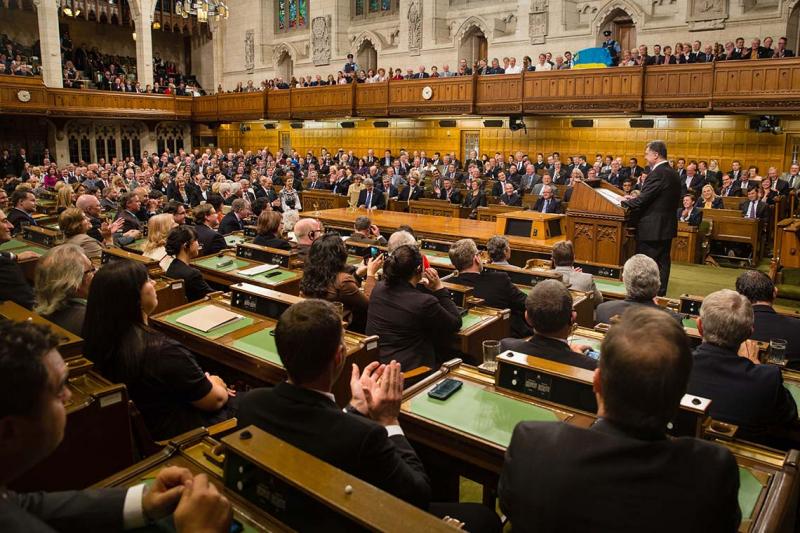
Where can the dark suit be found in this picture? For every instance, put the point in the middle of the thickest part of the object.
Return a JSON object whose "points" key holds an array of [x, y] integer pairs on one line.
{"points": [[549, 348], [197, 196], [513, 200], [553, 205], [13, 286], [230, 223], [657, 225], [270, 240], [732, 190], [474, 200], [408, 194], [41, 512], [751, 396], [211, 241], [455, 196], [20, 218], [628, 482], [694, 186], [769, 324], [130, 221], [391, 192], [376, 200], [196, 286], [607, 310], [318, 185], [496, 289], [761, 209], [341, 186], [312, 422], [695, 216]]}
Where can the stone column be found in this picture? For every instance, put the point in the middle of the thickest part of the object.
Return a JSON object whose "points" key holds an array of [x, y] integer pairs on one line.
{"points": [[49, 39], [217, 40], [142, 12]]}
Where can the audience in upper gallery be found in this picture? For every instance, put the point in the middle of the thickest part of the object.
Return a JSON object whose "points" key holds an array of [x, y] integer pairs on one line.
{"points": [[365, 439], [624, 460], [181, 245], [642, 282], [414, 326], [163, 378], [726, 371], [63, 276], [759, 289], [33, 399], [493, 287], [328, 276], [548, 309], [13, 286], [563, 256]]}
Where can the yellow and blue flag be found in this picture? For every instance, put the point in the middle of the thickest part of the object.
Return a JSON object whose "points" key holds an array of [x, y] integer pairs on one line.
{"points": [[593, 58]]}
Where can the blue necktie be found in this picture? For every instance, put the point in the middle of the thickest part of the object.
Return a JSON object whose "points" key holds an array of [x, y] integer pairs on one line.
{"points": [[369, 200]]}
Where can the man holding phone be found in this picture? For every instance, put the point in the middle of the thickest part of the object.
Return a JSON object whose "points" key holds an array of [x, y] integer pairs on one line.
{"points": [[366, 232]]}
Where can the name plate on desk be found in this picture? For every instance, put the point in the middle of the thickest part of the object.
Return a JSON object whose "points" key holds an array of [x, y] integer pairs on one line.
{"points": [[264, 254], [39, 235], [572, 386], [260, 300]]}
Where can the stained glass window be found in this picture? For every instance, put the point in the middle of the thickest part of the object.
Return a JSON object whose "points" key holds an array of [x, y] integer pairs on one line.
{"points": [[359, 7], [386, 5], [374, 8], [292, 14]]}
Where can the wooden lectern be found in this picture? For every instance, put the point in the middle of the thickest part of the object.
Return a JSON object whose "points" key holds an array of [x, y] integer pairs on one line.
{"points": [[597, 225], [788, 243]]}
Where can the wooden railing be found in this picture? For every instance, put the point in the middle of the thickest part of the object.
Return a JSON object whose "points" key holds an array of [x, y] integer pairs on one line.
{"points": [[764, 86]]}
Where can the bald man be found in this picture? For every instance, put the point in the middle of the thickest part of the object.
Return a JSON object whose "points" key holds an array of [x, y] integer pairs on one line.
{"points": [[90, 205], [306, 231]]}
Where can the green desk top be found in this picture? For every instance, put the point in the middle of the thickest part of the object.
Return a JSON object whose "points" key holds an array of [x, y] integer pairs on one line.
{"points": [[794, 389], [479, 412], [283, 275], [610, 286], [13, 244], [260, 344], [215, 333], [749, 490], [690, 323], [212, 262], [583, 339], [470, 319], [233, 240], [435, 257]]}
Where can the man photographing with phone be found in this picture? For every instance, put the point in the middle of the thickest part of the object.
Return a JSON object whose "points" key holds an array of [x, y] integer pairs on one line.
{"points": [[366, 232]]}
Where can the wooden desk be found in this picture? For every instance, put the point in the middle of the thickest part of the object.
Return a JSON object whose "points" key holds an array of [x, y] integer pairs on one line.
{"points": [[478, 325], [198, 452], [316, 199], [28, 266], [216, 269], [686, 246], [69, 344], [245, 353], [434, 227], [788, 246], [98, 439], [731, 226], [440, 208], [490, 212]]}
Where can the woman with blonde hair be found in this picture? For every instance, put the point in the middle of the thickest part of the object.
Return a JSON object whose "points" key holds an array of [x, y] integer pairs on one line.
{"points": [[158, 227], [64, 197], [63, 277], [355, 189], [709, 198]]}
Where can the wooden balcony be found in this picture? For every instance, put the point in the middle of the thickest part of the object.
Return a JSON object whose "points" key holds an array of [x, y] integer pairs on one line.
{"points": [[770, 86]]}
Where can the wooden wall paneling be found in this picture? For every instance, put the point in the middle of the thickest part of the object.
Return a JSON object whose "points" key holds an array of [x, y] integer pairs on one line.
{"points": [[450, 96], [204, 108], [323, 102], [279, 104], [90, 103], [240, 106], [372, 99], [764, 86], [613, 90], [10, 86], [678, 88], [499, 95]]}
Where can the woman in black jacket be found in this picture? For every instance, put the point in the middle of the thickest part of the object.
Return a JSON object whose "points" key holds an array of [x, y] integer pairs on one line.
{"points": [[182, 245], [269, 231]]}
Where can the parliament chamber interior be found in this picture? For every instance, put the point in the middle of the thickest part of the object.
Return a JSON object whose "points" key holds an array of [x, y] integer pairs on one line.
{"points": [[399, 265]]}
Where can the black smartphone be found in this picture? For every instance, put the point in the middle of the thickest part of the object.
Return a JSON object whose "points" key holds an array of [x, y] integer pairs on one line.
{"points": [[272, 274], [373, 251], [445, 389]]}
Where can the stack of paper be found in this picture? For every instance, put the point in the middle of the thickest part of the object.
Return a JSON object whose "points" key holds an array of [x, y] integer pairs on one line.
{"points": [[256, 270], [209, 317]]}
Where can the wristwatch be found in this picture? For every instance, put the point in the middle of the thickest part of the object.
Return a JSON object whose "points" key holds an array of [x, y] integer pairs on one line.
{"points": [[11, 255]]}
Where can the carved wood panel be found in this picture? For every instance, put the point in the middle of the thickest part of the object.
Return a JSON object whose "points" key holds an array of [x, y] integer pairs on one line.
{"points": [[310, 102], [684, 88], [500, 95]]}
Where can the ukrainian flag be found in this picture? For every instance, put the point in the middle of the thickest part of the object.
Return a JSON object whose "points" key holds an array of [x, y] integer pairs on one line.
{"points": [[592, 58]]}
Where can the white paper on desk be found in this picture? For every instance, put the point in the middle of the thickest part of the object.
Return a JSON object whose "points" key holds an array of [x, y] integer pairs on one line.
{"points": [[611, 196], [208, 318], [256, 270]]}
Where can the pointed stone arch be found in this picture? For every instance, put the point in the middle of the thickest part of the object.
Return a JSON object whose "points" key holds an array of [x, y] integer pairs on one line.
{"points": [[466, 26], [615, 6]]}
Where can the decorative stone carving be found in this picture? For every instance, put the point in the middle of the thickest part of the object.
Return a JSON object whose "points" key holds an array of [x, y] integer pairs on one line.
{"points": [[415, 27], [707, 14], [537, 22], [321, 40], [250, 49]]}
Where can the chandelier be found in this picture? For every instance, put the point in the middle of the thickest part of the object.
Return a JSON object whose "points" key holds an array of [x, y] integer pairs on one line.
{"points": [[202, 9]]}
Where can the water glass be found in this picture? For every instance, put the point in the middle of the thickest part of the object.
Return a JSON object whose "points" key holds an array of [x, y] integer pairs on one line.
{"points": [[777, 351], [491, 349]]}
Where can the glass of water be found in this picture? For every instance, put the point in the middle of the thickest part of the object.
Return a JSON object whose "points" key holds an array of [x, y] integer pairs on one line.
{"points": [[777, 351], [491, 349]]}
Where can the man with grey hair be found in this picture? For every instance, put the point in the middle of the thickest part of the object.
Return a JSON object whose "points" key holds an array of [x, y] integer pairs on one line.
{"points": [[742, 391], [400, 238], [642, 282], [234, 220], [366, 232], [548, 309], [63, 277], [564, 263], [499, 250], [370, 197], [494, 287]]}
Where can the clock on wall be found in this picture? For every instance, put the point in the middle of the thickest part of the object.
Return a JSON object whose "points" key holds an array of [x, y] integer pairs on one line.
{"points": [[23, 95], [427, 92]]}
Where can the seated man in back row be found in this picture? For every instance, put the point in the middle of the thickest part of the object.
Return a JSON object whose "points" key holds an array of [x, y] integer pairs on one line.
{"points": [[642, 283], [548, 308], [634, 477], [564, 263]]}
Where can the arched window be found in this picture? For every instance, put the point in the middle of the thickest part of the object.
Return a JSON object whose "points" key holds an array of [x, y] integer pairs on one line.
{"points": [[291, 15], [374, 8]]}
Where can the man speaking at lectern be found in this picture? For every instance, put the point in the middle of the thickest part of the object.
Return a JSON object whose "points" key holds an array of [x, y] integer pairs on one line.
{"points": [[654, 210]]}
